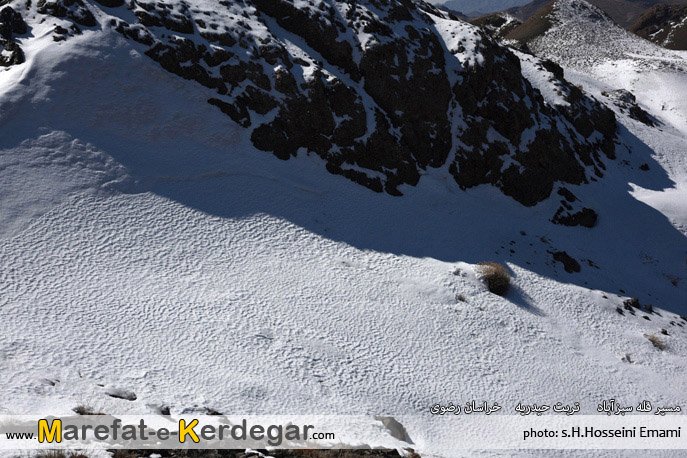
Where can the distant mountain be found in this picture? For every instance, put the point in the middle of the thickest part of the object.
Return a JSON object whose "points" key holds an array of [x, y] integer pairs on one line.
{"points": [[535, 25], [624, 12], [665, 25], [576, 32], [526, 11], [498, 25], [581, 37], [472, 7], [453, 14]]}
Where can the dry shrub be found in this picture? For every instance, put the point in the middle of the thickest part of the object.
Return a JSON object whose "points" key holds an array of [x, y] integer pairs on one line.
{"points": [[657, 342], [51, 454], [61, 454], [496, 276], [86, 410]]}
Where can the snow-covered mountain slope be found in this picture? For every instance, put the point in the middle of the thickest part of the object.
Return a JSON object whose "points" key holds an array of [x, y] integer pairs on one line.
{"points": [[581, 37], [381, 92], [482, 7], [640, 80], [623, 12], [147, 244], [664, 25]]}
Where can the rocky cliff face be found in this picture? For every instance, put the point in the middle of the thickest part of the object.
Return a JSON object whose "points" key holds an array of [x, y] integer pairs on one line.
{"points": [[380, 90]]}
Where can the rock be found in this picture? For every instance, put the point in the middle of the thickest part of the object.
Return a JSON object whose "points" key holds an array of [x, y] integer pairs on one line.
{"points": [[12, 55], [632, 302], [569, 264], [200, 411], [74, 10], [585, 217], [569, 212], [120, 393], [395, 428], [627, 102], [497, 25], [11, 23]]}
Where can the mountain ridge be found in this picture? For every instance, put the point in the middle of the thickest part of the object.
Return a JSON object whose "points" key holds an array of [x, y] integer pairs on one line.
{"points": [[380, 93], [665, 25], [624, 12]]}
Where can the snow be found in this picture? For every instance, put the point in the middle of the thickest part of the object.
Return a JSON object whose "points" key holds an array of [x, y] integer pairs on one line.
{"points": [[583, 39], [147, 247], [541, 79]]}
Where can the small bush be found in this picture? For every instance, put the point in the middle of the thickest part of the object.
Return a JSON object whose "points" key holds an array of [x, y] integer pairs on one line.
{"points": [[657, 342], [51, 454], [86, 410], [496, 276]]}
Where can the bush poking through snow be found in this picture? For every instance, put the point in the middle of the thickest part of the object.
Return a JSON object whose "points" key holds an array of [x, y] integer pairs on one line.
{"points": [[657, 342], [61, 454], [496, 276], [86, 410], [52, 454]]}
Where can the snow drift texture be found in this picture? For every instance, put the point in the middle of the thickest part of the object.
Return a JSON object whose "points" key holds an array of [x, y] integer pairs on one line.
{"points": [[147, 247]]}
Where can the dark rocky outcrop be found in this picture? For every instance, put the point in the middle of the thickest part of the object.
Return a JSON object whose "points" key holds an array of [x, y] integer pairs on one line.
{"points": [[176, 20], [627, 102], [571, 213], [493, 99], [497, 25], [11, 24], [585, 217], [376, 92], [569, 263], [74, 10]]}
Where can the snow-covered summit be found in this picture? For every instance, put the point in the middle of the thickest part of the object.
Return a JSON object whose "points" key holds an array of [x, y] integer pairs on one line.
{"points": [[580, 34]]}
